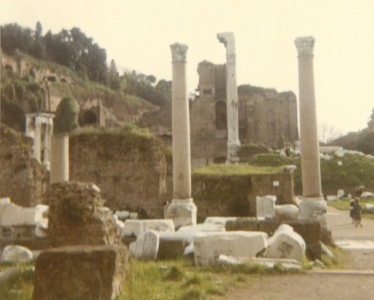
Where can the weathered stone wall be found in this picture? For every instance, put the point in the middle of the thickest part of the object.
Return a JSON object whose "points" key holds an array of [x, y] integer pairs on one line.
{"points": [[129, 169], [235, 195], [22, 178], [77, 216]]}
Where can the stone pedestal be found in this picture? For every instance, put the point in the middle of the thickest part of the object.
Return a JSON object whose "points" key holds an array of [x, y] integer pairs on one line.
{"points": [[265, 207], [59, 158], [182, 209], [80, 272], [233, 143], [313, 206], [183, 212]]}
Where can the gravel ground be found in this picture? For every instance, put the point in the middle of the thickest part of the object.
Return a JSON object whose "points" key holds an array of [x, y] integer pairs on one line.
{"points": [[350, 284]]}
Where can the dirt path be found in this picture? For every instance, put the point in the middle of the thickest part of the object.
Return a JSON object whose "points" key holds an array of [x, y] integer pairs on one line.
{"points": [[350, 284]]}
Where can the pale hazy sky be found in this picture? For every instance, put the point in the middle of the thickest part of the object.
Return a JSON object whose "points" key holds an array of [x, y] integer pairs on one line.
{"points": [[137, 35]]}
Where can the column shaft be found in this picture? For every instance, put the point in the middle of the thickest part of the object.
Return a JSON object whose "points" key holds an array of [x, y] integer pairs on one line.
{"points": [[59, 158], [233, 143], [313, 206], [37, 139], [182, 210], [181, 133], [310, 164]]}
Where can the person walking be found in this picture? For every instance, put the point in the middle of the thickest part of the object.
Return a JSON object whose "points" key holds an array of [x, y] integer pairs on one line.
{"points": [[352, 203], [356, 213]]}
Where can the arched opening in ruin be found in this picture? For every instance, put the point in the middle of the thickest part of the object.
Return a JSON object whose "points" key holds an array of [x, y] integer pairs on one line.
{"points": [[89, 118], [221, 115]]}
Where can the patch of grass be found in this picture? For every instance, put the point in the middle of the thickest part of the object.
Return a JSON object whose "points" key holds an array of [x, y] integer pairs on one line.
{"points": [[339, 261], [239, 169], [19, 287], [270, 160], [175, 273]]}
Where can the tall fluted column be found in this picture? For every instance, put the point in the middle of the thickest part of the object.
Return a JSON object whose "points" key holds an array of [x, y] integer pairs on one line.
{"points": [[47, 142], [182, 209], [37, 139], [59, 158], [313, 206], [233, 143]]}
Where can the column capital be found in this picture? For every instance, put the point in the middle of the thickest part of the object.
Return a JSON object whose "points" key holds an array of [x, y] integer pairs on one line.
{"points": [[178, 52], [305, 45], [228, 39]]}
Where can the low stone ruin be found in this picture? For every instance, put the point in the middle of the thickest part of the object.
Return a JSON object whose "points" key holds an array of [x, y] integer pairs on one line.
{"points": [[237, 238], [89, 257], [77, 216], [26, 226]]}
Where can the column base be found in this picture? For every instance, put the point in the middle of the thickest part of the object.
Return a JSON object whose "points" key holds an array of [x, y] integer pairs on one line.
{"points": [[314, 209], [182, 212], [232, 155]]}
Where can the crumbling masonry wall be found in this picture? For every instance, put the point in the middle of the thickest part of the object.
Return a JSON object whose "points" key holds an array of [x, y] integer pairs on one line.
{"points": [[235, 195], [22, 178], [129, 168]]}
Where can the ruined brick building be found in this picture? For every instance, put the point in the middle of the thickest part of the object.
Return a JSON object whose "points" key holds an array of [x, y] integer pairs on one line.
{"points": [[265, 116]]}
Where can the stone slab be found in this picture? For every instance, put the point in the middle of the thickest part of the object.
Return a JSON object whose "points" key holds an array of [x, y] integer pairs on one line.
{"points": [[242, 224], [265, 207], [173, 244], [139, 227], [80, 272], [286, 212], [286, 243], [209, 245]]}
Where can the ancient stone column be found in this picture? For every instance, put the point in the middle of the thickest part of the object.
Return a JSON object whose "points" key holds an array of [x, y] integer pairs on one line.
{"points": [[233, 143], [59, 158], [37, 139], [47, 142], [313, 205], [182, 209]]}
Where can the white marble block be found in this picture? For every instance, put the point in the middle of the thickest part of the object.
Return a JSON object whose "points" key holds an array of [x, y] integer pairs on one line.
{"points": [[16, 254], [286, 212], [265, 207], [286, 243], [146, 246], [209, 245], [138, 227]]}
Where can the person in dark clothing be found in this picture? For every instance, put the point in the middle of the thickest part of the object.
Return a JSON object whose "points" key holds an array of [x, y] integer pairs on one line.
{"points": [[356, 213], [352, 203]]}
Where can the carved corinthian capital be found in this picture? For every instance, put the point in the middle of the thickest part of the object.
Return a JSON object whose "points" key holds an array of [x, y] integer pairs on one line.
{"points": [[228, 39], [178, 52], [305, 45]]}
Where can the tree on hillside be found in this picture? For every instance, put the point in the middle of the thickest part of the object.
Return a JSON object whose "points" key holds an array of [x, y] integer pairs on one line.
{"points": [[14, 37], [365, 143]]}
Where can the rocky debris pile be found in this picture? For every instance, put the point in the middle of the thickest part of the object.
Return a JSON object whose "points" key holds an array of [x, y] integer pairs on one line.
{"points": [[77, 216], [90, 258], [224, 236]]}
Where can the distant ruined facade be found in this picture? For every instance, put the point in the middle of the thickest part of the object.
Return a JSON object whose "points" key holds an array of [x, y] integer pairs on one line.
{"points": [[265, 117]]}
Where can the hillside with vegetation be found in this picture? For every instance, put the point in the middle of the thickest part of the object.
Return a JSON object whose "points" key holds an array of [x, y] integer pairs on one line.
{"points": [[74, 65]]}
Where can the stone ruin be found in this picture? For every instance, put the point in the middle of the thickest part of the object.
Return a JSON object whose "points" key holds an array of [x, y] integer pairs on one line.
{"points": [[22, 178], [87, 249], [264, 116], [88, 252]]}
